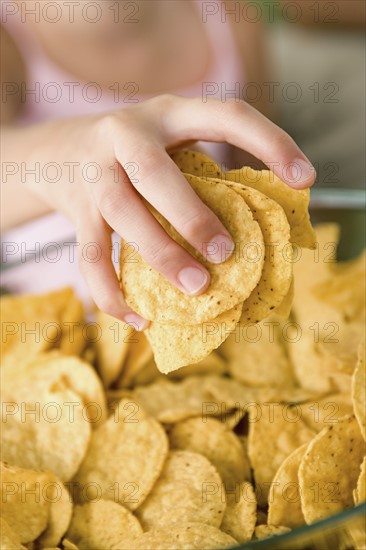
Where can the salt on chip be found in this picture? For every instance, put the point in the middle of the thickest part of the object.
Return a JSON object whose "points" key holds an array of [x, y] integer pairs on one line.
{"points": [[294, 202], [241, 513], [197, 164], [331, 464], [284, 495], [275, 431], [40, 438], [210, 438], [157, 299], [359, 389], [112, 347], [22, 503], [103, 524], [177, 346], [359, 494], [276, 276], [184, 536], [125, 457], [189, 489]]}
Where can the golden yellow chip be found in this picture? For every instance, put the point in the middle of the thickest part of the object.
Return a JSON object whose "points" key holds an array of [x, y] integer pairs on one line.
{"points": [[359, 389], [177, 346], [266, 531], [213, 440], [138, 356], [275, 431], [189, 489], [9, 539], [294, 202], [125, 457], [241, 513], [331, 466], [284, 309], [284, 495], [195, 536], [103, 524], [276, 276], [156, 299], [326, 411], [112, 347], [60, 512], [197, 164], [359, 494]]}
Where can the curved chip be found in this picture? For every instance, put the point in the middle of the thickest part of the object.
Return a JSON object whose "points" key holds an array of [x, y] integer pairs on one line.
{"points": [[284, 495], [125, 457], [9, 539], [359, 389], [241, 513], [295, 202], [212, 439], [176, 346], [195, 536], [156, 299], [103, 524], [60, 512], [189, 489], [276, 277], [359, 494], [331, 466], [197, 164]]}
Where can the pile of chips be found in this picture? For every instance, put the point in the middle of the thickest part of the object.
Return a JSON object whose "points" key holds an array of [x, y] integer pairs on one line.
{"points": [[265, 218], [101, 451]]}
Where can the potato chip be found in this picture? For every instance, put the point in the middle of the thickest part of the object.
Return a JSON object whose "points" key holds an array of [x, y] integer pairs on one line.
{"points": [[60, 512], [276, 276], [284, 495], [359, 494], [189, 489], [266, 531], [112, 347], [9, 539], [197, 164], [51, 368], [177, 346], [156, 299], [326, 411], [241, 513], [138, 356], [22, 502], [192, 536], [294, 202], [103, 524], [331, 467], [212, 439], [125, 457], [359, 389], [275, 431], [36, 434]]}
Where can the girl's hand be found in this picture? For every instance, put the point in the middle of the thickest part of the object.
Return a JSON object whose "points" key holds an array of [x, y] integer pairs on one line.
{"points": [[137, 140]]}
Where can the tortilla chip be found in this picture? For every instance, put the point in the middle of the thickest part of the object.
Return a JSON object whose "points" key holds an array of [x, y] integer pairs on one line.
{"points": [[138, 356], [325, 412], [331, 465], [359, 389], [195, 536], [125, 457], [284, 495], [103, 524], [156, 299], [359, 494], [197, 164], [241, 513], [9, 539], [189, 489], [60, 512], [266, 531], [284, 309], [294, 202]]}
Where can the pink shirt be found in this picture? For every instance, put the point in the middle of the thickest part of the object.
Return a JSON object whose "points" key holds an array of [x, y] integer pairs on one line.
{"points": [[55, 94]]}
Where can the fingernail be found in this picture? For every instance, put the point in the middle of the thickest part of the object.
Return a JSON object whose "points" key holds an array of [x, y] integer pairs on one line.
{"points": [[219, 249], [192, 279], [136, 322], [301, 171]]}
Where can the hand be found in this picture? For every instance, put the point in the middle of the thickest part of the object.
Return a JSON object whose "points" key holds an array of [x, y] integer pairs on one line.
{"points": [[141, 136]]}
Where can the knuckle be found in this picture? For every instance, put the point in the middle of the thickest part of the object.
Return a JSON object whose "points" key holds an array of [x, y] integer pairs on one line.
{"points": [[196, 223], [160, 255], [106, 202]]}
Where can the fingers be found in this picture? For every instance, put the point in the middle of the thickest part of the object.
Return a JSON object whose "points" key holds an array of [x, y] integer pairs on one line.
{"points": [[97, 268], [239, 124], [161, 183], [125, 212]]}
